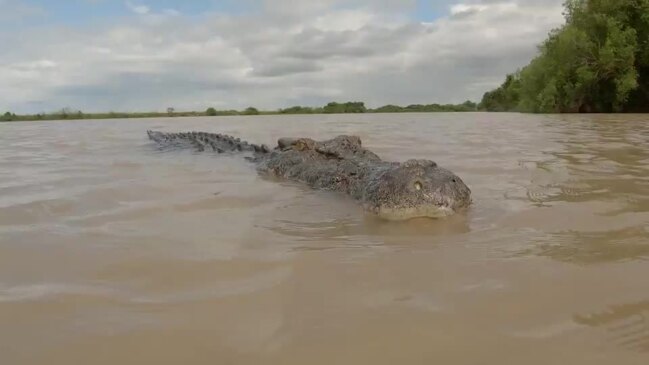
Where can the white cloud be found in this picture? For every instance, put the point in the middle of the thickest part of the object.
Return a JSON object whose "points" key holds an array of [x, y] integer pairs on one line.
{"points": [[138, 9], [457, 9], [308, 54], [347, 20], [34, 65]]}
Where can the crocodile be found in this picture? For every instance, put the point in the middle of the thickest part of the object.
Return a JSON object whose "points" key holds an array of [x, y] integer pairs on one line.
{"points": [[390, 190]]}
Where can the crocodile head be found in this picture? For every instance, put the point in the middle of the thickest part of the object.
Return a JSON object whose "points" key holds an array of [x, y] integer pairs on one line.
{"points": [[415, 188]]}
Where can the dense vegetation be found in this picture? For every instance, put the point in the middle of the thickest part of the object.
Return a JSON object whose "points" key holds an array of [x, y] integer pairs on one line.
{"points": [[598, 61], [331, 108], [359, 107], [63, 115], [467, 106]]}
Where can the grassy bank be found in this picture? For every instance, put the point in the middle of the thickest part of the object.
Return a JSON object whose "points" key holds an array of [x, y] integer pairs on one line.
{"points": [[331, 108]]}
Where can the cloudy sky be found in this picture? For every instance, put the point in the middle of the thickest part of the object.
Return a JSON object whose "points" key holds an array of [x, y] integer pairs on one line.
{"points": [[141, 55]]}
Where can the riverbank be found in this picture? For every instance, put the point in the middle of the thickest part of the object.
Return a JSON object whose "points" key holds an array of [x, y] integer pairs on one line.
{"points": [[331, 108]]}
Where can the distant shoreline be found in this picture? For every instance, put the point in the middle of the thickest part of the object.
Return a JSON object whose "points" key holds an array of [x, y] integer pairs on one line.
{"points": [[331, 108], [101, 116]]}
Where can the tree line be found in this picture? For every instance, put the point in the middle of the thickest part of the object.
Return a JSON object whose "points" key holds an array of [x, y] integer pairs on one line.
{"points": [[352, 107], [330, 108], [598, 61]]}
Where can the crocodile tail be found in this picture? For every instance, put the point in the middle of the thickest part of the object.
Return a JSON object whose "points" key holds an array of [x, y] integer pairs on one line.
{"points": [[202, 141]]}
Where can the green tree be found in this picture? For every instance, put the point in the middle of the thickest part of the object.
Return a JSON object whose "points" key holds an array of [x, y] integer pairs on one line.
{"points": [[504, 98], [597, 62], [297, 110], [389, 109], [468, 106], [251, 111], [348, 107], [7, 117], [334, 108], [211, 112]]}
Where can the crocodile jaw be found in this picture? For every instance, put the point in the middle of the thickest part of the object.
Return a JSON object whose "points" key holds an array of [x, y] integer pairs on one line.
{"points": [[403, 214]]}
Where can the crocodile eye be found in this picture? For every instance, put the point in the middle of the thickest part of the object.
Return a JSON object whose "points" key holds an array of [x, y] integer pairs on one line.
{"points": [[418, 186]]}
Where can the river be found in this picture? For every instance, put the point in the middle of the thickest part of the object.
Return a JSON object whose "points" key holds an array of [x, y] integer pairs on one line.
{"points": [[113, 252]]}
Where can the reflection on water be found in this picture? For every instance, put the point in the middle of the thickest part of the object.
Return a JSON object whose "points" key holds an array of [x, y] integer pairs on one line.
{"points": [[595, 247], [112, 251], [596, 185], [627, 324], [368, 227]]}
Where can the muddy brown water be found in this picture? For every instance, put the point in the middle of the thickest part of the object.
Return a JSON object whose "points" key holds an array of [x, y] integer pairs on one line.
{"points": [[112, 252]]}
